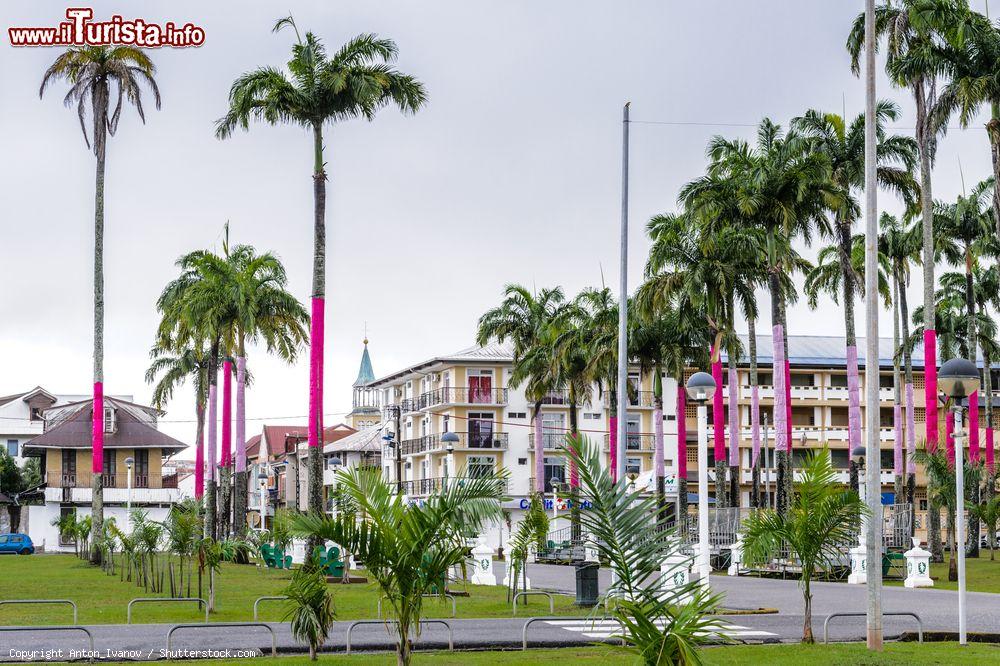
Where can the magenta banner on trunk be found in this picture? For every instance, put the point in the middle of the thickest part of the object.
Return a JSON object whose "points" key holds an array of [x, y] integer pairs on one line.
{"points": [[97, 430], [718, 413], [930, 389], [911, 434], [241, 414], [682, 458], [316, 371], [227, 413], [780, 395], [974, 426], [734, 420]]}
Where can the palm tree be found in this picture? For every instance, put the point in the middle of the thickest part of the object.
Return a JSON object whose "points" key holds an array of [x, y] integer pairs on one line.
{"points": [[901, 245], [988, 511], [844, 146], [310, 607], [827, 276], [915, 32], [821, 520], [94, 73], [696, 271], [941, 493], [407, 549], [355, 82], [523, 320], [782, 188]]}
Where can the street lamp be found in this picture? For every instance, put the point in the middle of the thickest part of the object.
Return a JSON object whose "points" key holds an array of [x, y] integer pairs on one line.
{"points": [[449, 439], [858, 458], [959, 379], [700, 387], [128, 491], [262, 481], [556, 484]]}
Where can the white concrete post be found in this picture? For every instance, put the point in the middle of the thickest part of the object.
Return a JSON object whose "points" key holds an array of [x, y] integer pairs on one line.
{"points": [[736, 556], [918, 566], [859, 562], [675, 573], [482, 564]]}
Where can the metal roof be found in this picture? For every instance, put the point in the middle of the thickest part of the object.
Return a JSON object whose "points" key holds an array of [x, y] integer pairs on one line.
{"points": [[822, 351], [365, 373]]}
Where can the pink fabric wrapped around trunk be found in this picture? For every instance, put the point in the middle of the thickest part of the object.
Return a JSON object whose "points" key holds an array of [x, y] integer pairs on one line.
{"points": [[911, 433], [949, 436], [974, 427], [241, 414], [930, 389], [755, 422], [780, 395], [718, 413], [734, 420], [316, 372], [97, 430], [613, 436], [989, 449], [199, 467], [897, 445], [853, 399], [658, 441], [682, 457], [788, 405], [210, 459], [539, 455], [227, 413]]}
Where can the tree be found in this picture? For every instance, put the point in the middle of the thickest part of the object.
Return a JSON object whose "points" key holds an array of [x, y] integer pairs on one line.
{"points": [[662, 626], [355, 82], [822, 518], [93, 74], [783, 188], [988, 512], [15, 480], [310, 606], [914, 34], [844, 146], [941, 493], [408, 549], [530, 536], [524, 319]]}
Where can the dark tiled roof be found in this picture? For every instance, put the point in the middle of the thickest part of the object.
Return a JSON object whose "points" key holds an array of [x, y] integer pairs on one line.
{"points": [[74, 432]]}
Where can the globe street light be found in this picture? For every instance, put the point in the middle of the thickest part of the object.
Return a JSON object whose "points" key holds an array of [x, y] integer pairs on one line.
{"points": [[959, 379], [556, 484], [449, 439], [262, 481], [700, 387]]}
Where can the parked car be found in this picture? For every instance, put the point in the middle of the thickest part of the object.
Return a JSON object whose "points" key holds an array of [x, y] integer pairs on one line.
{"points": [[984, 542], [16, 544]]}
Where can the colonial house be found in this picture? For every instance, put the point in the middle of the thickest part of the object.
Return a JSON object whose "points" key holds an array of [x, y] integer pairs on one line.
{"points": [[359, 449], [134, 455]]}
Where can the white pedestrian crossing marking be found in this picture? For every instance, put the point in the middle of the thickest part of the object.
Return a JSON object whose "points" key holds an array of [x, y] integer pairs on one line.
{"points": [[604, 628]]}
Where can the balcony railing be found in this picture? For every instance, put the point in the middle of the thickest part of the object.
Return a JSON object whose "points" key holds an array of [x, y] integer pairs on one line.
{"points": [[410, 447], [633, 442], [641, 399], [421, 487], [496, 441], [551, 441], [83, 479], [556, 397], [463, 395]]}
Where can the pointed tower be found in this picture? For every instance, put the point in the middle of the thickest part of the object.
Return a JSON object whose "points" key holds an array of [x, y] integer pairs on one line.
{"points": [[365, 411]]}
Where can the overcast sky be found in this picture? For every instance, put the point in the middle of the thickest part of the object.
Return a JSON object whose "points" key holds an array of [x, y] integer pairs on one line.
{"points": [[510, 174]]}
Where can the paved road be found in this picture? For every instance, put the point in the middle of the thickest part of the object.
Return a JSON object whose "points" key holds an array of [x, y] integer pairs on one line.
{"points": [[938, 609]]}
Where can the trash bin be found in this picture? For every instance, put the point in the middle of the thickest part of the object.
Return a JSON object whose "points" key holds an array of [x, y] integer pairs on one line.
{"points": [[586, 584]]}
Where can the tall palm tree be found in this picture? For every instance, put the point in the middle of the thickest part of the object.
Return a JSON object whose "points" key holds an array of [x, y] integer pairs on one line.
{"points": [[915, 35], [94, 74], [844, 145], [782, 187], [319, 89], [901, 245], [827, 276], [523, 320]]}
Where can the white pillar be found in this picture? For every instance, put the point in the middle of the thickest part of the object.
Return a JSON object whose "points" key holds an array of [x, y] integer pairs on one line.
{"points": [[918, 566], [482, 564], [859, 562], [736, 556]]}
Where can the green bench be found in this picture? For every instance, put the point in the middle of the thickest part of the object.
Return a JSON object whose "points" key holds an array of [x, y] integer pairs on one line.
{"points": [[329, 561], [275, 558]]}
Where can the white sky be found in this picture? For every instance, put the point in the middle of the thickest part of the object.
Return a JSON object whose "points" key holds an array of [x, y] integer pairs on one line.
{"points": [[510, 174]]}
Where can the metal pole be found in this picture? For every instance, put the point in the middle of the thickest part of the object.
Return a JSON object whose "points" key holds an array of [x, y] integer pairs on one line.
{"points": [[960, 519], [128, 497], [704, 556], [874, 467], [767, 469], [622, 392]]}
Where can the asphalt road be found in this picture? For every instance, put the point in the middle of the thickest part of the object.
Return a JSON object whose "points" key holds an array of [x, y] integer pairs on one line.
{"points": [[938, 610]]}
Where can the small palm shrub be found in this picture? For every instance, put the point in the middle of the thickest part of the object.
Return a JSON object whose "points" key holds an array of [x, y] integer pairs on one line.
{"points": [[310, 606]]}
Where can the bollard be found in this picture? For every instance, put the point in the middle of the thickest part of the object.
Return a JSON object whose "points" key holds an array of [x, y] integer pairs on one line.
{"points": [[918, 566]]}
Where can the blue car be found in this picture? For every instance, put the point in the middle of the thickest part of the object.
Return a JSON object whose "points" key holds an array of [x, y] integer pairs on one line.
{"points": [[16, 544]]}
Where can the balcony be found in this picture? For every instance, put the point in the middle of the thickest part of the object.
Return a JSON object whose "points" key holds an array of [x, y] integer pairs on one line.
{"points": [[641, 399], [146, 488], [557, 397], [551, 441], [764, 392], [424, 487], [471, 441], [411, 447], [806, 392], [634, 442], [463, 395]]}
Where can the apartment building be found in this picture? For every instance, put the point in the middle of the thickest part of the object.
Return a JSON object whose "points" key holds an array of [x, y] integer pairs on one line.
{"points": [[64, 452]]}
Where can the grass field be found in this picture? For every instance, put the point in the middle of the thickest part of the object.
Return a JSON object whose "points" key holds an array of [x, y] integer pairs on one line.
{"points": [[102, 599], [749, 655], [981, 575]]}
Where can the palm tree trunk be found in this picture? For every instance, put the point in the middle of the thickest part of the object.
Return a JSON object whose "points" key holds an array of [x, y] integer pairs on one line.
{"points": [[199, 455], [781, 457], [211, 463], [225, 464], [924, 136], [719, 429], [100, 98], [240, 487], [682, 503], [316, 336], [897, 407], [807, 626], [574, 471], [612, 434], [851, 341], [911, 435], [540, 449], [754, 415], [658, 467], [993, 131], [734, 435], [973, 427]]}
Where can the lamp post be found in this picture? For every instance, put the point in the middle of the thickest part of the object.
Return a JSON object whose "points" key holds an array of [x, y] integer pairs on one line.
{"points": [[858, 457], [959, 379], [556, 483], [390, 443], [700, 387], [449, 439], [262, 481], [128, 491]]}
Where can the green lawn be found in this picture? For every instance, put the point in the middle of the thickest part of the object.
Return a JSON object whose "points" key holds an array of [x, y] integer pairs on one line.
{"points": [[981, 575], [772, 655], [102, 599]]}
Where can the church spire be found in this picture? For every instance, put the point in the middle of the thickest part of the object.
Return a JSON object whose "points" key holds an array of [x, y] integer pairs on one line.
{"points": [[365, 372]]}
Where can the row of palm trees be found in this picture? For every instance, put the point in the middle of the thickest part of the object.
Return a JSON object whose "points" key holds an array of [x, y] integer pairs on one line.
{"points": [[318, 89], [218, 306]]}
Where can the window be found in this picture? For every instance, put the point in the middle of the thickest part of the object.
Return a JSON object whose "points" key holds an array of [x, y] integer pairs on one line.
{"points": [[517, 415], [68, 468], [553, 470], [553, 429], [802, 380], [109, 419], [36, 414], [480, 466], [838, 381], [480, 430], [64, 511], [12, 447], [481, 386], [141, 468], [592, 416], [633, 465], [109, 469], [522, 461]]}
